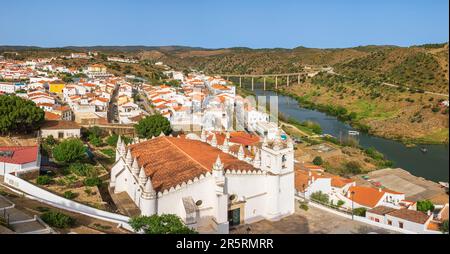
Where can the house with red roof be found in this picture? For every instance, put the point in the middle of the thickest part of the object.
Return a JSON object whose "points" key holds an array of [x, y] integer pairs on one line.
{"points": [[19, 160]]}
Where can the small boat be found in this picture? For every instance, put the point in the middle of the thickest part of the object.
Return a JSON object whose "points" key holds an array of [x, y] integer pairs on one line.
{"points": [[423, 150], [353, 133]]}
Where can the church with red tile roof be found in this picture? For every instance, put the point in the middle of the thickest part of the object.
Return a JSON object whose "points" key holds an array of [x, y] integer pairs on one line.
{"points": [[206, 182]]}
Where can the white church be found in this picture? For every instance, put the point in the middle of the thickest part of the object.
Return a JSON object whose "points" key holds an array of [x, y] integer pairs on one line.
{"points": [[210, 186]]}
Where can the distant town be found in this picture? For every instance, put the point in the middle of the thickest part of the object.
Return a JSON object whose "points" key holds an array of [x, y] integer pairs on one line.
{"points": [[102, 152]]}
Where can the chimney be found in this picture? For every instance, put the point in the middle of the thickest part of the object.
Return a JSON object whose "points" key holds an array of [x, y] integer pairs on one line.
{"points": [[379, 189]]}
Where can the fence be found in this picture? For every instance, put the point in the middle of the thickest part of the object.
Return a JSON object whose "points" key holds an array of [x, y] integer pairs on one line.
{"points": [[34, 192]]}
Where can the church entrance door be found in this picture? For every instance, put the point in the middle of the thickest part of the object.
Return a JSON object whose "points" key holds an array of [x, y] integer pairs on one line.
{"points": [[234, 217]]}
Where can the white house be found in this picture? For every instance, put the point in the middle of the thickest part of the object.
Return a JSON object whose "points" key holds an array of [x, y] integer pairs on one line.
{"points": [[61, 129], [407, 219], [214, 188], [19, 160]]}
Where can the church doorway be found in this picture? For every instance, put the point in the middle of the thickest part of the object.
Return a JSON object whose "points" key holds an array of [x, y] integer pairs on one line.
{"points": [[234, 217]]}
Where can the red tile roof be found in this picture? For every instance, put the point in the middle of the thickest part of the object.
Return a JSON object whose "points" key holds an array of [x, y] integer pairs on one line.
{"points": [[410, 215], [171, 161], [366, 196], [20, 154], [51, 116]]}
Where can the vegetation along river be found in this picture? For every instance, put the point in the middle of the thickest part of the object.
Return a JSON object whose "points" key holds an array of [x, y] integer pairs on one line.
{"points": [[432, 165]]}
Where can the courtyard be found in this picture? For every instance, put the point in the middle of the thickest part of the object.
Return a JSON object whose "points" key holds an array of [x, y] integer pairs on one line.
{"points": [[313, 221]]}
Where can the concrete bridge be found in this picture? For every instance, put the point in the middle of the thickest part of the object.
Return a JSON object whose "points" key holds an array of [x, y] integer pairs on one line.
{"points": [[296, 76]]}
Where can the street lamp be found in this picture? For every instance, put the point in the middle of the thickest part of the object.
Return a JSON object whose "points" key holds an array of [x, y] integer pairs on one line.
{"points": [[351, 195]]}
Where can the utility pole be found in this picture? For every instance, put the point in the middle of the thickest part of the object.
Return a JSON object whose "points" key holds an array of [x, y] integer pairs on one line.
{"points": [[264, 83], [276, 82]]}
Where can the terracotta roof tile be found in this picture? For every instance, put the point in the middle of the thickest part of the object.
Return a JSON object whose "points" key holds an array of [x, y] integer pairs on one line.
{"points": [[171, 161], [381, 210], [410, 215]]}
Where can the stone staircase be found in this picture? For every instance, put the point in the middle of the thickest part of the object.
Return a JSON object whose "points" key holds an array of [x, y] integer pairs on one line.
{"points": [[20, 222]]}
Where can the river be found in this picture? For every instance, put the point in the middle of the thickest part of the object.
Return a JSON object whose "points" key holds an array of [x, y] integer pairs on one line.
{"points": [[432, 165]]}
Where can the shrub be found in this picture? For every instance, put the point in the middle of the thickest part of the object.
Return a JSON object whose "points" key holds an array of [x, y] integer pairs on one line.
{"points": [[444, 227], [92, 181], [374, 154], [82, 169], [57, 219], [340, 203], [303, 205], [95, 140], [353, 167], [435, 109], [425, 206], [112, 140], [70, 195], [318, 161], [320, 196], [160, 224], [109, 152], [43, 180], [361, 211]]}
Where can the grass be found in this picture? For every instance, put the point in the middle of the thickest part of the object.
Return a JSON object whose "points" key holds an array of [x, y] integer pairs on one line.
{"points": [[371, 110], [109, 152], [435, 137]]}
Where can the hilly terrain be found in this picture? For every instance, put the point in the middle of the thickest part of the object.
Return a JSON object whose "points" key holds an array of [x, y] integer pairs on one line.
{"points": [[403, 111]]}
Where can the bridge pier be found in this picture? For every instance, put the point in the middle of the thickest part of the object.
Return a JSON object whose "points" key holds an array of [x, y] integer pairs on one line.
{"points": [[240, 81], [298, 81], [264, 83], [253, 83], [276, 82], [287, 80]]}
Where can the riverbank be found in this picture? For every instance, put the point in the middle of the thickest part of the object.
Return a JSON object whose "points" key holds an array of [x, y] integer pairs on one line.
{"points": [[394, 122], [344, 157]]}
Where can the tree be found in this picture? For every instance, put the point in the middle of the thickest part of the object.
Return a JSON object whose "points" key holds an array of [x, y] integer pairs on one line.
{"points": [[318, 161], [160, 224], [152, 126], [425, 206], [361, 211], [70, 150], [19, 115]]}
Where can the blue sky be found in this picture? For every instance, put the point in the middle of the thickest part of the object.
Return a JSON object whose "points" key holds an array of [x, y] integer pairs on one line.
{"points": [[225, 23]]}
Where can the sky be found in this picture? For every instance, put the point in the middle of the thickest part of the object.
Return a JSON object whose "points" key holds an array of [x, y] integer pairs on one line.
{"points": [[224, 23]]}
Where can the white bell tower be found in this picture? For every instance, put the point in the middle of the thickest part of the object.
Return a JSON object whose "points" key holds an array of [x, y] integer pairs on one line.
{"points": [[277, 160]]}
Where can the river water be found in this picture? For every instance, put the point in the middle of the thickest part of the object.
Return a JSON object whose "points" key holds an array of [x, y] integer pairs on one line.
{"points": [[432, 165]]}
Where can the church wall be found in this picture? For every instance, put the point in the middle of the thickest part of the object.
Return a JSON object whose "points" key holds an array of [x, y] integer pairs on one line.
{"points": [[252, 189], [203, 190]]}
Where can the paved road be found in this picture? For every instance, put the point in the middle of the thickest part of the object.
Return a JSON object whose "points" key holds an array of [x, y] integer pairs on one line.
{"points": [[144, 101], [427, 92], [313, 221], [113, 113]]}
